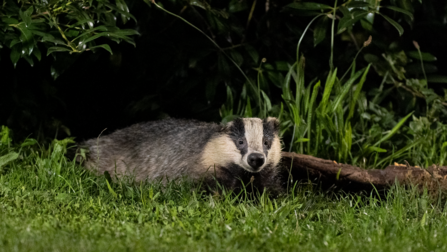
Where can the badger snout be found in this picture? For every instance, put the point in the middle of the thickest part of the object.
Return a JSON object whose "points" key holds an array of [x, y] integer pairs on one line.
{"points": [[255, 160]]}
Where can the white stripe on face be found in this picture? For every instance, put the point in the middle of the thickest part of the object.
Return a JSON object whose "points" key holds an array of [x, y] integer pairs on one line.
{"points": [[254, 134]]}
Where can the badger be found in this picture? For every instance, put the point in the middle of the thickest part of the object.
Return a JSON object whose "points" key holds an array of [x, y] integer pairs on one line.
{"points": [[242, 152]]}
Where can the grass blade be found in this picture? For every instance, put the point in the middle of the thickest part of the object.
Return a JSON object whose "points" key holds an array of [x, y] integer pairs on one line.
{"points": [[310, 113], [357, 93], [340, 98], [394, 130], [327, 91]]}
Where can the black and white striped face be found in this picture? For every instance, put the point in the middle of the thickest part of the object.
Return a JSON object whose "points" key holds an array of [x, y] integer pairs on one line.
{"points": [[257, 142]]}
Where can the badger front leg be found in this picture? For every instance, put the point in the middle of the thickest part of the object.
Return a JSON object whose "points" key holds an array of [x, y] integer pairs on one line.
{"points": [[221, 179]]}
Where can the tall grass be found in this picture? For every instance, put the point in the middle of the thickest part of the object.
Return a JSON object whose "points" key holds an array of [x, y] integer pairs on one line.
{"points": [[332, 119]]}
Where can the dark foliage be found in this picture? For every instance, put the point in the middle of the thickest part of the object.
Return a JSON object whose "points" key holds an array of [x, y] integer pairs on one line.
{"points": [[176, 71]]}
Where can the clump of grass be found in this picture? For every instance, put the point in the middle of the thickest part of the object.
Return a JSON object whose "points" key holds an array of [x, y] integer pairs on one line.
{"points": [[337, 123], [48, 202], [333, 119]]}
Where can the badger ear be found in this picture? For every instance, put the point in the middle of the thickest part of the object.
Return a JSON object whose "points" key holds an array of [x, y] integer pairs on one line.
{"points": [[273, 123], [237, 125], [224, 128]]}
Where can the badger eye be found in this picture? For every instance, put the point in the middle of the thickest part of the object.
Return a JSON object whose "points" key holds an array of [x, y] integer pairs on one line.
{"points": [[241, 142], [266, 143]]}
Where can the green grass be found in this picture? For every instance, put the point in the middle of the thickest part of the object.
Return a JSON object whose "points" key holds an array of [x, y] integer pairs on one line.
{"points": [[48, 203]]}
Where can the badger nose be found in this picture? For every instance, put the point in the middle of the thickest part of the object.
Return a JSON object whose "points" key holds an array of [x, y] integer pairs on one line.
{"points": [[255, 160]]}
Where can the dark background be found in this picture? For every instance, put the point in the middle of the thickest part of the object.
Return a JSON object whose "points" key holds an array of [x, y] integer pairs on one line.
{"points": [[176, 71]]}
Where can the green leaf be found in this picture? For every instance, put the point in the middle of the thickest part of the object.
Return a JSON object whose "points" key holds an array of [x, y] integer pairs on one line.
{"points": [[348, 21], [327, 91], [345, 11], [105, 46], [357, 93], [108, 177], [399, 153], [81, 21], [237, 57], [310, 112], [29, 45], [358, 4], [5, 135], [302, 140], [267, 101], [79, 14], [395, 24], [320, 30], [346, 87], [71, 33], [425, 56], [308, 6], [15, 55], [437, 79], [394, 130], [371, 149], [124, 13], [110, 188], [26, 34], [87, 32], [123, 7], [248, 111], [48, 37], [423, 219], [28, 142], [394, 8], [8, 158], [14, 42], [57, 49], [122, 34], [253, 53], [366, 24], [306, 97], [26, 16], [26, 37], [237, 5], [286, 90], [337, 177], [10, 21], [29, 59], [37, 53]]}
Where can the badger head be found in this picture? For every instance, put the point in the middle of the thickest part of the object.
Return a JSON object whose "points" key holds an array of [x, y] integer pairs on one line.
{"points": [[250, 143]]}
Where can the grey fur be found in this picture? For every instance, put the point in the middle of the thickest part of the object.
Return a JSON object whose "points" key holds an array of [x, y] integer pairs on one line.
{"points": [[171, 148]]}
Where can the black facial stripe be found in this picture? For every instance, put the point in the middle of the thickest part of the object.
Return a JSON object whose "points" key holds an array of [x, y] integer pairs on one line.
{"points": [[237, 133], [266, 152], [266, 148], [270, 129]]}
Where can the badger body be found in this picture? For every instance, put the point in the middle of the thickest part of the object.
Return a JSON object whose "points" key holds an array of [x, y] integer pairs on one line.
{"points": [[232, 155]]}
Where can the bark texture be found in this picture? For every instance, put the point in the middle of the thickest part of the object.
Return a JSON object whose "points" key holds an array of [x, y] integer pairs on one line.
{"points": [[351, 178]]}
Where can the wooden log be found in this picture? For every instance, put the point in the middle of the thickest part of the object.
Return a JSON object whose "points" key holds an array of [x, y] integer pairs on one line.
{"points": [[351, 178]]}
